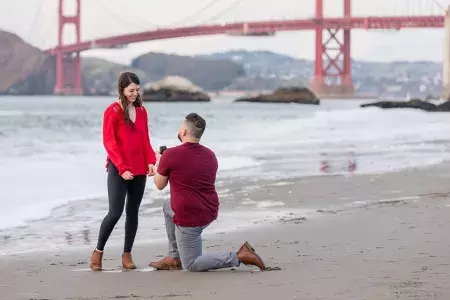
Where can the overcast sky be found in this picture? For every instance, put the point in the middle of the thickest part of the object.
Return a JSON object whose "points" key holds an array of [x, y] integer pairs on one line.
{"points": [[35, 21]]}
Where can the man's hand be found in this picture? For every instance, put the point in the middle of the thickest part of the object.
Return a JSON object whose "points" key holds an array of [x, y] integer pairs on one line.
{"points": [[158, 156], [151, 170]]}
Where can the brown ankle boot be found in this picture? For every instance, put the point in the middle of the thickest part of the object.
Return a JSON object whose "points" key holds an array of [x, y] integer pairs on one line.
{"points": [[96, 260], [167, 263], [248, 256], [127, 261]]}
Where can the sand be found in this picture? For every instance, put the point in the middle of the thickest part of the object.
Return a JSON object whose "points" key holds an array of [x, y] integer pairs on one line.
{"points": [[384, 237]]}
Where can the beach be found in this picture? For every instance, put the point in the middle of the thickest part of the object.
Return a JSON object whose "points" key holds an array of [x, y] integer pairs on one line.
{"points": [[377, 236]]}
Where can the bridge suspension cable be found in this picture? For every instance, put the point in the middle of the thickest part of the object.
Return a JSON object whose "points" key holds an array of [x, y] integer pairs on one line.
{"points": [[35, 20], [439, 4], [118, 16], [196, 13], [38, 33], [224, 11]]}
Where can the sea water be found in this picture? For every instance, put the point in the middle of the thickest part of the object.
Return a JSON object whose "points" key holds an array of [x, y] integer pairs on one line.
{"points": [[52, 161]]}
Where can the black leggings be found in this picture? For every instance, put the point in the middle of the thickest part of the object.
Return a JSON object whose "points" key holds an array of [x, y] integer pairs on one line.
{"points": [[118, 188]]}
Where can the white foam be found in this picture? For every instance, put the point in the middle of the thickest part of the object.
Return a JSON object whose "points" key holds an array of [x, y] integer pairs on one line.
{"points": [[150, 210], [81, 270], [146, 270], [382, 201], [235, 162], [115, 270], [112, 270], [264, 204], [280, 183]]}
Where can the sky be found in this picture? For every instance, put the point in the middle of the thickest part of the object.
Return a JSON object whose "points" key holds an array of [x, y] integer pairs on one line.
{"points": [[36, 22]]}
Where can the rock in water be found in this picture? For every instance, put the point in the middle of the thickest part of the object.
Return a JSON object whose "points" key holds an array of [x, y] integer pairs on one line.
{"points": [[413, 103], [444, 106], [174, 89], [301, 95]]}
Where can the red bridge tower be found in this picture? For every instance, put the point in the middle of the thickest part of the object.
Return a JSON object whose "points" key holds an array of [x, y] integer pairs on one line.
{"points": [[332, 69], [68, 66]]}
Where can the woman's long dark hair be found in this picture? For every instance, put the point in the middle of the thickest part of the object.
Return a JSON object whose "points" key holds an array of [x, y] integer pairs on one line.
{"points": [[124, 81]]}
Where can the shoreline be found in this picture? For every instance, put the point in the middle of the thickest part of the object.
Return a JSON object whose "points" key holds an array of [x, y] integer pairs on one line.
{"points": [[245, 205], [237, 196], [392, 245], [294, 144]]}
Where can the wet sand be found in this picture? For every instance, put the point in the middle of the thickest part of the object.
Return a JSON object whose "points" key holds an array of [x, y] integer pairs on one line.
{"points": [[385, 237]]}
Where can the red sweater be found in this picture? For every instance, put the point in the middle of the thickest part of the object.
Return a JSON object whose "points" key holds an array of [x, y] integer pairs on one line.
{"points": [[128, 148]]}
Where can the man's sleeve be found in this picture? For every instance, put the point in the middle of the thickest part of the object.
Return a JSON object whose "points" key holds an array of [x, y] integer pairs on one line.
{"points": [[164, 166]]}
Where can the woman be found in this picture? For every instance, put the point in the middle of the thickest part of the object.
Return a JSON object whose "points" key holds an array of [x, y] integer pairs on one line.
{"points": [[130, 159]]}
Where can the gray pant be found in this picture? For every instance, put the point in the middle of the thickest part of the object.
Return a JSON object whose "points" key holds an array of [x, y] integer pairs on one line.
{"points": [[186, 243]]}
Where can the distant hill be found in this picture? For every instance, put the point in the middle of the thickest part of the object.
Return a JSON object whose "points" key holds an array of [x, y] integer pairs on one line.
{"points": [[26, 71], [100, 75], [210, 74], [390, 78], [265, 70], [266, 63]]}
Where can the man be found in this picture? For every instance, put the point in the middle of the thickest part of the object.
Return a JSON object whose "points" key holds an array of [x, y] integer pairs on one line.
{"points": [[191, 169]]}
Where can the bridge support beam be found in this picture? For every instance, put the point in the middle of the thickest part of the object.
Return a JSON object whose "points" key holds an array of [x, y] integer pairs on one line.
{"points": [[446, 59], [332, 69], [68, 66]]}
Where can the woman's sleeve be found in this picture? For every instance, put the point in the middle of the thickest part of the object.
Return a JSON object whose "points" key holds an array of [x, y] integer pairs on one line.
{"points": [[110, 124], [150, 153]]}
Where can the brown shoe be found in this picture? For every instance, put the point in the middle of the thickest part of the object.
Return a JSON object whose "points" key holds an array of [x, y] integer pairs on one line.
{"points": [[96, 260], [127, 261], [248, 256], [167, 263]]}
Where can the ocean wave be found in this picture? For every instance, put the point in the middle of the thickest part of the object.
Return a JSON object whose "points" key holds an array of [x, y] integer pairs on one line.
{"points": [[227, 163], [53, 153], [38, 212]]}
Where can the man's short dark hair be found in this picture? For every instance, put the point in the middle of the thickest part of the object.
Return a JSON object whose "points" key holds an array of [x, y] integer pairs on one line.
{"points": [[195, 124]]}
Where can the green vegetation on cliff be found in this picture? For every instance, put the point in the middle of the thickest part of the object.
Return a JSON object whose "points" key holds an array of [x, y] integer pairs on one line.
{"points": [[100, 75], [206, 73]]}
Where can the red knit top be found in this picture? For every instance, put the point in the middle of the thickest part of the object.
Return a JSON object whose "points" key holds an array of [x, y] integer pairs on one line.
{"points": [[128, 146]]}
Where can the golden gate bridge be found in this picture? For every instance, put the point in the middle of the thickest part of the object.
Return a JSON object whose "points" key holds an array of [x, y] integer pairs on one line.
{"points": [[332, 69]]}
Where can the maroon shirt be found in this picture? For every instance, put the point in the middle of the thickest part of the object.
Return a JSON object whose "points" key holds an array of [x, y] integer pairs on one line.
{"points": [[192, 170]]}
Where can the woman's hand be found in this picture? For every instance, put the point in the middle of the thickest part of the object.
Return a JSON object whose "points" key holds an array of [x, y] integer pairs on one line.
{"points": [[127, 175], [151, 170]]}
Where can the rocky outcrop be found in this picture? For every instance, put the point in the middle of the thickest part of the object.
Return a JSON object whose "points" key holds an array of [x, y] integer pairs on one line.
{"points": [[21, 65], [174, 89], [26, 70], [301, 95], [413, 103], [210, 74]]}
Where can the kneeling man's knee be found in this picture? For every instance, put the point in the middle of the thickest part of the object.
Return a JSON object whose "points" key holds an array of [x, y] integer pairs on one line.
{"points": [[193, 267]]}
